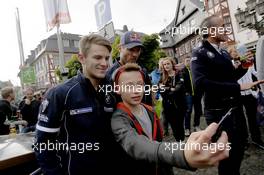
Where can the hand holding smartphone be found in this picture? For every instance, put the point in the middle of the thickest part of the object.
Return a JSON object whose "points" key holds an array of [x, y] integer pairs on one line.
{"points": [[219, 130]]}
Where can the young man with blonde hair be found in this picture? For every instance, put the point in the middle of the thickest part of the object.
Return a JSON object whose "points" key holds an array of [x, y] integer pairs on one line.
{"points": [[75, 117]]}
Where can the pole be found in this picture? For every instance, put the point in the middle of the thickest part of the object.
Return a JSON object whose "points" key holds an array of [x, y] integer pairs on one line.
{"points": [[19, 38], [60, 46], [63, 70]]}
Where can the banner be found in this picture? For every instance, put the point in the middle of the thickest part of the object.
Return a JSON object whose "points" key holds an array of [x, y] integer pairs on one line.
{"points": [[28, 75], [102, 13], [56, 12]]}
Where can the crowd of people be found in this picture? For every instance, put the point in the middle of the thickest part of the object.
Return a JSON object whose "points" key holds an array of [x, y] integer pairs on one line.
{"points": [[26, 110], [121, 132]]}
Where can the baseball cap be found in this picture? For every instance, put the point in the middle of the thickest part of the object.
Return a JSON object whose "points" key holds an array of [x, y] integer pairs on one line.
{"points": [[131, 39]]}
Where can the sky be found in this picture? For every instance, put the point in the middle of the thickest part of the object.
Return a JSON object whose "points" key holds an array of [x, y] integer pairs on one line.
{"points": [[148, 16]]}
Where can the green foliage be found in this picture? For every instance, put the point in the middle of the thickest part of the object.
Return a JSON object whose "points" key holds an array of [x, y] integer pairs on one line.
{"points": [[115, 50], [152, 53], [58, 73], [73, 65]]}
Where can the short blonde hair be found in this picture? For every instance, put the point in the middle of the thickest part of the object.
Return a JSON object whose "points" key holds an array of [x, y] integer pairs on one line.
{"points": [[6, 91], [86, 42]]}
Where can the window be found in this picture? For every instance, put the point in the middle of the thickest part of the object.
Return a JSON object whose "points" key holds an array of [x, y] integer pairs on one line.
{"points": [[227, 20], [198, 39], [216, 2], [36, 68], [37, 64], [187, 47], [43, 44], [40, 65], [177, 52], [66, 43], [76, 43], [56, 61], [210, 4], [193, 43], [192, 22], [183, 10], [182, 50], [39, 48], [171, 53]]}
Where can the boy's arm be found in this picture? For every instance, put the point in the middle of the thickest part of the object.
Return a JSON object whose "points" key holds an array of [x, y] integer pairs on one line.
{"points": [[142, 148]]}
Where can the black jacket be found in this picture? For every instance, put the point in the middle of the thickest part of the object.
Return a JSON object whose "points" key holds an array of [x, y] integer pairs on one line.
{"points": [[187, 81], [5, 113], [75, 114], [215, 75], [174, 97], [30, 112]]}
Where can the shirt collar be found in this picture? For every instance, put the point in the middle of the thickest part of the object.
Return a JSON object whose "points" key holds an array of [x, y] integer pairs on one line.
{"points": [[217, 48]]}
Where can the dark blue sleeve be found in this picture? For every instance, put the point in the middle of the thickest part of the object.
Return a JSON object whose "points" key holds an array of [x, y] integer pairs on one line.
{"points": [[47, 128], [201, 78]]}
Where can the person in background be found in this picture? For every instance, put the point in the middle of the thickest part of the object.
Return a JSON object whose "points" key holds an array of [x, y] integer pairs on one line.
{"points": [[38, 96], [6, 112], [214, 73], [192, 99], [156, 73], [130, 49], [173, 97], [29, 109], [248, 99], [260, 60]]}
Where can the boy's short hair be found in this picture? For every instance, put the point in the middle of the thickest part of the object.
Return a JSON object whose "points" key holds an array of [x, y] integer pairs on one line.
{"points": [[86, 42], [6, 91], [129, 67]]}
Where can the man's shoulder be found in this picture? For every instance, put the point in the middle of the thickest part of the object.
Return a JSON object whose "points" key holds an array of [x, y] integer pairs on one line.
{"points": [[3, 103], [199, 48], [119, 113], [63, 88], [111, 70]]}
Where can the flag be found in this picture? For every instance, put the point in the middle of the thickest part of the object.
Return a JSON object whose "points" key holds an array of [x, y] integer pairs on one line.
{"points": [[102, 13], [56, 12], [28, 75]]}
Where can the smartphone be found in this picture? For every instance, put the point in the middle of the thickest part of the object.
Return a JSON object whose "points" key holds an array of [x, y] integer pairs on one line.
{"points": [[219, 130]]}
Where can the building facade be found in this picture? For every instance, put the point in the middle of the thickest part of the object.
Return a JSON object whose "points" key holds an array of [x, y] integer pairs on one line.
{"points": [[222, 9], [182, 34], [45, 58], [242, 35]]}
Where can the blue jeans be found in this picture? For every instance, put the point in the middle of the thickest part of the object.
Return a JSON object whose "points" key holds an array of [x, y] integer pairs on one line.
{"points": [[189, 103], [29, 128]]}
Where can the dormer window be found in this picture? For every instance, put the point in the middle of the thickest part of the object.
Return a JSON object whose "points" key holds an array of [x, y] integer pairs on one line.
{"points": [[183, 10]]}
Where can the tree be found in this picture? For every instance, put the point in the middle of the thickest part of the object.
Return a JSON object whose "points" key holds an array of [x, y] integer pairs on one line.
{"points": [[152, 52], [115, 45], [73, 66]]}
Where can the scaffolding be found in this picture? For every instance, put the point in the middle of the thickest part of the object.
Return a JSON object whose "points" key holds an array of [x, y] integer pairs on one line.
{"points": [[51, 70]]}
